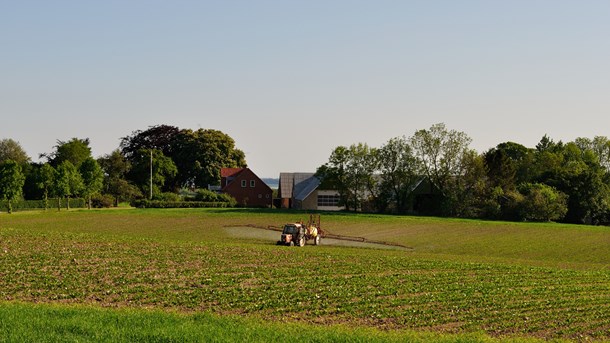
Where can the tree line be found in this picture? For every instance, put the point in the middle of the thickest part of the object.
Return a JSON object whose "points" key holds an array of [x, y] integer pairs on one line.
{"points": [[554, 181], [157, 162], [557, 181]]}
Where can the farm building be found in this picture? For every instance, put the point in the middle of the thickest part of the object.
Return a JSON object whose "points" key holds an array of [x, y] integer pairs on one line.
{"points": [[302, 191], [246, 187]]}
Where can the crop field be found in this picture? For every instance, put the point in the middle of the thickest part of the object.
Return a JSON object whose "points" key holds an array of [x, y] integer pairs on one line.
{"points": [[459, 277]]}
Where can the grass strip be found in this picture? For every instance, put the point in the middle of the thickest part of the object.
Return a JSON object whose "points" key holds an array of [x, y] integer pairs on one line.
{"points": [[20, 322]]}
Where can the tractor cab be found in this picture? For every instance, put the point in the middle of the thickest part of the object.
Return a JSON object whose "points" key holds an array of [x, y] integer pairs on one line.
{"points": [[299, 233], [292, 234], [290, 229]]}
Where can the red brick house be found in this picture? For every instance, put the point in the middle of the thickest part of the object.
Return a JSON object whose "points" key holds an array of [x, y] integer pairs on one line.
{"points": [[247, 188]]}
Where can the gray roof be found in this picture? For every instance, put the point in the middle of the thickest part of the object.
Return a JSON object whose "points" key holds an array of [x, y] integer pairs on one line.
{"points": [[288, 182], [303, 189]]}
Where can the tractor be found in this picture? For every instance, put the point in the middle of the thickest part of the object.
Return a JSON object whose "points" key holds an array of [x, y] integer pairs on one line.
{"points": [[299, 233]]}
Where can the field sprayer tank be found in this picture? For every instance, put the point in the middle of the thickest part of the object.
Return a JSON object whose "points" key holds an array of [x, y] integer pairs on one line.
{"points": [[299, 233]]}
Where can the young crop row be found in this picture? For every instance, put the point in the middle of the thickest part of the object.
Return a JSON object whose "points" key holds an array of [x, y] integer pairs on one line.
{"points": [[384, 289]]}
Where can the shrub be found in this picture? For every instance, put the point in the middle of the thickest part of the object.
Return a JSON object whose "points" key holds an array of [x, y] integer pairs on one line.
{"points": [[168, 196], [102, 201], [206, 195], [543, 202], [39, 204], [178, 204], [210, 196], [228, 199]]}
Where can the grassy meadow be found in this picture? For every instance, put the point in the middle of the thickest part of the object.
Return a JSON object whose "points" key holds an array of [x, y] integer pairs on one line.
{"points": [[180, 275]]}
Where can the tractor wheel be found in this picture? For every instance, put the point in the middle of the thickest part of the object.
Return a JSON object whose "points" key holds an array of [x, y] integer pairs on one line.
{"points": [[316, 241], [301, 241]]}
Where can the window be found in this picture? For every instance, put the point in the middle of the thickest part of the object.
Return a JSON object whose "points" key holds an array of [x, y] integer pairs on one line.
{"points": [[243, 183], [290, 229], [328, 200], [252, 183]]}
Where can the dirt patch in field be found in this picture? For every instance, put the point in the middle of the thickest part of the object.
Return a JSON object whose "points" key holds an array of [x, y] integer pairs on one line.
{"points": [[272, 236]]}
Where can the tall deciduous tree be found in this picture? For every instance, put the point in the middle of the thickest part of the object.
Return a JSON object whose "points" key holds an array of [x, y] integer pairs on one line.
{"points": [[11, 182], [76, 151], [333, 174], [600, 146], [471, 187], [351, 171], [400, 171], [116, 167], [198, 155], [505, 165], [45, 177], [93, 179], [163, 168], [443, 154], [68, 182], [579, 174], [12, 150], [159, 137]]}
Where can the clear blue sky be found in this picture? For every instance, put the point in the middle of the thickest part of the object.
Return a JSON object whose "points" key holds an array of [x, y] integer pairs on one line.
{"points": [[291, 80]]}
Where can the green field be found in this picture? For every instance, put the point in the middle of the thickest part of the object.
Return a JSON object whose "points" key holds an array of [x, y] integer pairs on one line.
{"points": [[462, 281]]}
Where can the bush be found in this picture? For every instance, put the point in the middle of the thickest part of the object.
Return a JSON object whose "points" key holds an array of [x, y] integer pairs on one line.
{"points": [[179, 204], [102, 201], [205, 195], [39, 204], [168, 196], [512, 206], [228, 199], [543, 202]]}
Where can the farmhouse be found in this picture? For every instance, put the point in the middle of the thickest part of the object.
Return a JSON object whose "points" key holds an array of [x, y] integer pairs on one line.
{"points": [[302, 191], [247, 188]]}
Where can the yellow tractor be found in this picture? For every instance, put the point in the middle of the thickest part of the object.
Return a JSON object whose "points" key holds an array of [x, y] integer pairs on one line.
{"points": [[299, 233]]}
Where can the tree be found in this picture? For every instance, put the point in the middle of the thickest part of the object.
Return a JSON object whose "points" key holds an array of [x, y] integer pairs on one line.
{"points": [[116, 167], [506, 164], [362, 165], [12, 150], [584, 180], [200, 155], [76, 151], [400, 171], [159, 137], [333, 173], [547, 160], [443, 154], [599, 146], [543, 202], [163, 168], [45, 177], [11, 182], [471, 188], [68, 182], [93, 178], [351, 171]]}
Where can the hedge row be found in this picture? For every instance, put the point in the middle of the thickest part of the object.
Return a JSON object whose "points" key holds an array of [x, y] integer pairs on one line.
{"points": [[178, 204], [39, 204]]}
